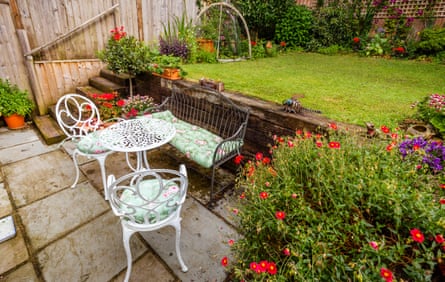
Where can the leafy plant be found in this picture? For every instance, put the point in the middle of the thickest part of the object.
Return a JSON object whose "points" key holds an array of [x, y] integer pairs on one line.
{"points": [[432, 110], [161, 62], [295, 26], [378, 46], [125, 54], [337, 207], [14, 100]]}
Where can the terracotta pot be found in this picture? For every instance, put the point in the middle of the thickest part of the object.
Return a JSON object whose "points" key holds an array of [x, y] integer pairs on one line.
{"points": [[206, 45], [15, 121], [170, 73]]}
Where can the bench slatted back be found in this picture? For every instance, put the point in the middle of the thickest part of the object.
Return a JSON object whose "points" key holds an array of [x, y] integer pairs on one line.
{"points": [[210, 110]]}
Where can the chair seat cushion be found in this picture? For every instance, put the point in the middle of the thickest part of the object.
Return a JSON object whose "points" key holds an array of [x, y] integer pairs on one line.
{"points": [[195, 142], [149, 201], [91, 144]]}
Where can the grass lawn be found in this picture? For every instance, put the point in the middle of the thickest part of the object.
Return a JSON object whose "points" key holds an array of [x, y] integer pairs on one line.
{"points": [[346, 88]]}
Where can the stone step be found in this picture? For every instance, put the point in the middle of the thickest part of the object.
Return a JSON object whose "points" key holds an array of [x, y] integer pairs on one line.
{"points": [[121, 79], [49, 129], [106, 85]]}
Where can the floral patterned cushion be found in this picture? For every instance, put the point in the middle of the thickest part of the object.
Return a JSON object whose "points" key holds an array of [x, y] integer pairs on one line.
{"points": [[90, 144], [153, 204], [195, 142]]}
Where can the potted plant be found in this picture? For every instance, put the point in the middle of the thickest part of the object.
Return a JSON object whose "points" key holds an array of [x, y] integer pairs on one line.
{"points": [[168, 66], [138, 106], [125, 54], [15, 104]]}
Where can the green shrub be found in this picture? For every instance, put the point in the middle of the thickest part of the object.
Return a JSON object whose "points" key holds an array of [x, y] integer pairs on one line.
{"points": [[331, 50], [377, 46], [431, 42], [339, 207], [295, 26], [332, 26], [432, 110]]}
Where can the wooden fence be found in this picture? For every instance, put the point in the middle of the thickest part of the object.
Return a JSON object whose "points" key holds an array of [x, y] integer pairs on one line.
{"points": [[49, 47]]}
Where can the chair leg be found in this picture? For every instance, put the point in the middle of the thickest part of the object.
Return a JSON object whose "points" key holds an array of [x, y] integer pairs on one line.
{"points": [[76, 166], [177, 226], [126, 236], [103, 174]]}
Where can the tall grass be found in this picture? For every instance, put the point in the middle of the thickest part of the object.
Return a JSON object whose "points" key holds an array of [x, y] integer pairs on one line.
{"points": [[346, 88]]}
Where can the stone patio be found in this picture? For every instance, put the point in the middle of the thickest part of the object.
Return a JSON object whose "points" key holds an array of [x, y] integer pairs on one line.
{"points": [[66, 234]]}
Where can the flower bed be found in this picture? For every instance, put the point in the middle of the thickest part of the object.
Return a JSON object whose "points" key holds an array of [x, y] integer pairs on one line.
{"points": [[339, 207]]}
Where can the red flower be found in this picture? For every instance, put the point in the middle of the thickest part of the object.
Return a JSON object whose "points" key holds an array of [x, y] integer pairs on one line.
{"points": [[280, 215], [242, 196], [262, 265], [259, 156], [308, 135], [108, 105], [231, 242], [299, 132], [224, 261], [389, 147], [442, 186], [283, 44], [264, 195], [384, 129], [386, 274], [254, 266], [238, 159], [442, 201], [266, 160], [319, 144], [334, 145], [253, 43], [333, 126], [417, 235], [272, 268], [120, 103], [439, 239], [356, 40]]}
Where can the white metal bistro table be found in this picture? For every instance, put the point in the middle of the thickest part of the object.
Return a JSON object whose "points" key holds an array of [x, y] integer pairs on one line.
{"points": [[137, 135]]}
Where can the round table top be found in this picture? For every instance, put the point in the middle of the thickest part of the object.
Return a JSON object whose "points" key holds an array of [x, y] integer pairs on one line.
{"points": [[135, 135]]}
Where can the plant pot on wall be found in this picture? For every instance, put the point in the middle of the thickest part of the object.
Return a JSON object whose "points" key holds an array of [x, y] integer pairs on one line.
{"points": [[15, 121], [206, 45], [170, 73]]}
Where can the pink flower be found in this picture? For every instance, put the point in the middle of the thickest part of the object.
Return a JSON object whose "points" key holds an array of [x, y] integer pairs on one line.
{"points": [[286, 251], [374, 245], [271, 268], [231, 242], [290, 144], [259, 156]]}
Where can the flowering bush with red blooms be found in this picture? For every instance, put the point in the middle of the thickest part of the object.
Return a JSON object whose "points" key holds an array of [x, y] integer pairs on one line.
{"points": [[337, 207], [109, 104]]}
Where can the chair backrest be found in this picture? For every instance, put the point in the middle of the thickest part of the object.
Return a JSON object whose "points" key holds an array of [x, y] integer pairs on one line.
{"points": [[148, 197], [77, 115]]}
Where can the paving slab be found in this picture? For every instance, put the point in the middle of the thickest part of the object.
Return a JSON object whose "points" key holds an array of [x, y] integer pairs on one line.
{"points": [[24, 273], [94, 252], [204, 242], [13, 252], [35, 178], [49, 218], [5, 204]]}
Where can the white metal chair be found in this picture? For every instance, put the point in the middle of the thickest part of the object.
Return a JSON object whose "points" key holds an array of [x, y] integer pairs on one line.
{"points": [[79, 119], [148, 200]]}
